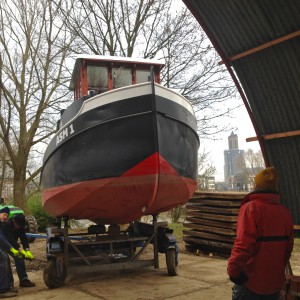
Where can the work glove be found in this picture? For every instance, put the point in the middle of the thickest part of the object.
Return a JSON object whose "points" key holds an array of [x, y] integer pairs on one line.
{"points": [[29, 255], [14, 252], [24, 254]]}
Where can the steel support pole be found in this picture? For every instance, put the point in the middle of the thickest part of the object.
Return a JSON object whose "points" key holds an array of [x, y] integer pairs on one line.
{"points": [[155, 244], [66, 244]]}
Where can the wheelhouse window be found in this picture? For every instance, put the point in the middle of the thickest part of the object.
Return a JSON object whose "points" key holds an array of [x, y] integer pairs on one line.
{"points": [[142, 76], [97, 79], [94, 75], [121, 77]]}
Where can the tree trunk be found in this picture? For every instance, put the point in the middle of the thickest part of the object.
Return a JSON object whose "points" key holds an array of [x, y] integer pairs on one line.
{"points": [[2, 178], [19, 199]]}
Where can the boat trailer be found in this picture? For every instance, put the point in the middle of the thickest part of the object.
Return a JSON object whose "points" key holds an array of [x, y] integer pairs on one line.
{"points": [[102, 249]]}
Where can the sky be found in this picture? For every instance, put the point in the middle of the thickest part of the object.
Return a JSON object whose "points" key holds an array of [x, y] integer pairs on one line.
{"points": [[244, 129]]}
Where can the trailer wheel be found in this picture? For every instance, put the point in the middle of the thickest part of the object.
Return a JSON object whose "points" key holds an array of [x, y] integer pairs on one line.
{"points": [[31, 227], [51, 278], [171, 262]]}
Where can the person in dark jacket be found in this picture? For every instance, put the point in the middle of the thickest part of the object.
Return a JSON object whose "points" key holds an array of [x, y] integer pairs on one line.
{"points": [[264, 242], [7, 289], [14, 229]]}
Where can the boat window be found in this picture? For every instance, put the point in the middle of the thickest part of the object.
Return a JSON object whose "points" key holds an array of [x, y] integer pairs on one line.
{"points": [[142, 76], [97, 79], [121, 77]]}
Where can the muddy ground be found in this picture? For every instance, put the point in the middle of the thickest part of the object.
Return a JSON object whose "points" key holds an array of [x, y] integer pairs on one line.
{"points": [[199, 277]]}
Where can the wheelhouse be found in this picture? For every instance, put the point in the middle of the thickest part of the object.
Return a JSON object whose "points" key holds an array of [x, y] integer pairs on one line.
{"points": [[97, 74]]}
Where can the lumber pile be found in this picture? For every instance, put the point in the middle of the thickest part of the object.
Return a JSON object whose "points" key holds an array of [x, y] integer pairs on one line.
{"points": [[211, 221]]}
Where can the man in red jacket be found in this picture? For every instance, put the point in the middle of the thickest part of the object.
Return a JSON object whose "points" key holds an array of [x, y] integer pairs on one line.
{"points": [[264, 242]]}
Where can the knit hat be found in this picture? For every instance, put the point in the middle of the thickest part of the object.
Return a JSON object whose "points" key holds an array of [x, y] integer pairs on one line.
{"points": [[20, 220], [267, 179], [5, 210]]}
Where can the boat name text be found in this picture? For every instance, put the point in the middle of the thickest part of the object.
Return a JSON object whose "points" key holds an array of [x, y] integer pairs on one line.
{"points": [[64, 134]]}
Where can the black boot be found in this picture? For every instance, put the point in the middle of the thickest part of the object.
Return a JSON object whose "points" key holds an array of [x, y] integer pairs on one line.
{"points": [[27, 283]]}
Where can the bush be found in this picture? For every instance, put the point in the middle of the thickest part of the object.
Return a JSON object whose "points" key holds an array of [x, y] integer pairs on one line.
{"points": [[35, 208], [177, 213], [177, 230]]}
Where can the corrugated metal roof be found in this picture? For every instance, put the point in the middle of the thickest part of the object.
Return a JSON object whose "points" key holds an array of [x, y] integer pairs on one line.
{"points": [[270, 78]]}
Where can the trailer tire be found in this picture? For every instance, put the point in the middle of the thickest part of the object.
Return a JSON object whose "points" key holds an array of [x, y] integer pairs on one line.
{"points": [[171, 262], [31, 227], [50, 277]]}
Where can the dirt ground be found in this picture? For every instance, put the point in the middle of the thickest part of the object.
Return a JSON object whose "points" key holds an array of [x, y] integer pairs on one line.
{"points": [[199, 277]]}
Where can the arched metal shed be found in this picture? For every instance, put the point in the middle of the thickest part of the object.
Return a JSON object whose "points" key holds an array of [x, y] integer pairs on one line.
{"points": [[259, 42]]}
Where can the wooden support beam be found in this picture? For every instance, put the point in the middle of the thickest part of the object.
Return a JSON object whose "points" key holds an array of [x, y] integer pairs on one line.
{"points": [[208, 209], [262, 47], [215, 230], [216, 217], [275, 136], [232, 196], [209, 236], [208, 243], [212, 202], [212, 223]]}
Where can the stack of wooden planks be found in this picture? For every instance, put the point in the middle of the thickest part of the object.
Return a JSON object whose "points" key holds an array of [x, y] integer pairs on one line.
{"points": [[211, 221]]}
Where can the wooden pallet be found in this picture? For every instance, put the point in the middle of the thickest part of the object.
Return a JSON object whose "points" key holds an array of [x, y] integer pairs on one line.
{"points": [[211, 221]]}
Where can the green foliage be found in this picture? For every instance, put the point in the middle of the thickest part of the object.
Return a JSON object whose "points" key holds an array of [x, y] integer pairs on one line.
{"points": [[35, 208], [177, 230]]}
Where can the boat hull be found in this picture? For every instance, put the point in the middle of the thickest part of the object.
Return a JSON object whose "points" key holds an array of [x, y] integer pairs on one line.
{"points": [[122, 160], [121, 199]]}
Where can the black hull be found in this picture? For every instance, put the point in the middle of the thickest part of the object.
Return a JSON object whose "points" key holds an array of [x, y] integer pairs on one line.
{"points": [[125, 136], [109, 140]]}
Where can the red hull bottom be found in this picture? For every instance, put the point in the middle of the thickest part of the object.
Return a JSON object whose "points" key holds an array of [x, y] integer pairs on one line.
{"points": [[140, 191]]}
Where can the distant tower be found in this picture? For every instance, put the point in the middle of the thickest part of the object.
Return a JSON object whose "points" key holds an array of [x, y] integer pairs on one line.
{"points": [[233, 142], [234, 159]]}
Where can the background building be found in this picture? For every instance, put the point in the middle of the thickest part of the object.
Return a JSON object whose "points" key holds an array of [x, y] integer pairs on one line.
{"points": [[234, 168], [206, 183]]}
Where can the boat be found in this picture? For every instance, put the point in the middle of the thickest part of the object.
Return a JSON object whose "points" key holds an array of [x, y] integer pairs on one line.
{"points": [[126, 147]]}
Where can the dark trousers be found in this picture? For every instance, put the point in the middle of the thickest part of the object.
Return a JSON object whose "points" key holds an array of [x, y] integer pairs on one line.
{"points": [[21, 268], [6, 276], [239, 292]]}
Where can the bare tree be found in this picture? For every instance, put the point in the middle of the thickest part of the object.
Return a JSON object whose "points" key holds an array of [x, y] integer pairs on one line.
{"points": [[33, 47], [115, 27], [254, 160], [192, 69], [163, 29], [3, 166], [5, 173], [205, 169], [253, 163]]}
